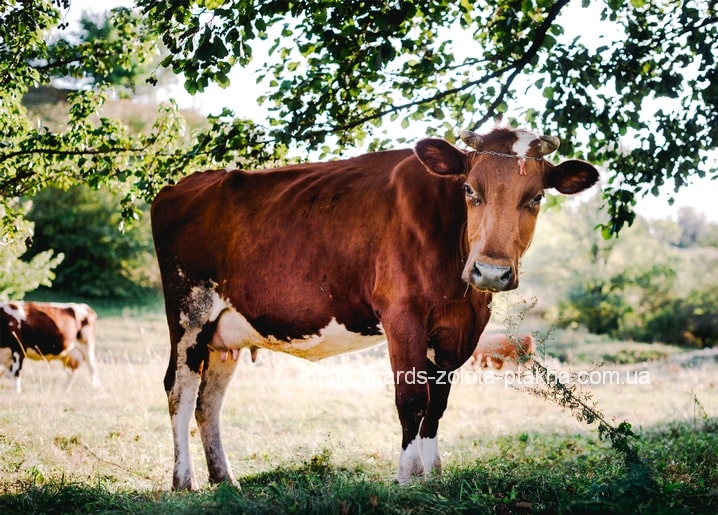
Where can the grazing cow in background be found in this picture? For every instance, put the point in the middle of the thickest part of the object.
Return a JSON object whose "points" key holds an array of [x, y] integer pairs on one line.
{"points": [[493, 350], [315, 260], [48, 331]]}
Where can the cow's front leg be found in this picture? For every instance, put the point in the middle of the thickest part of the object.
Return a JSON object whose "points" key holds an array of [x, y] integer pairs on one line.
{"points": [[216, 377], [412, 400], [439, 388], [70, 378], [406, 338]]}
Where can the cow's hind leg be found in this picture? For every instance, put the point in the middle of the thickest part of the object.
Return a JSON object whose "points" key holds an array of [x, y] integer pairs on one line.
{"points": [[15, 369], [216, 377], [182, 384]]}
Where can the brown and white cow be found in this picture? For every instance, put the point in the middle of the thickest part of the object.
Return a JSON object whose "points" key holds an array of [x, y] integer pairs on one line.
{"points": [[48, 331], [320, 259], [494, 350]]}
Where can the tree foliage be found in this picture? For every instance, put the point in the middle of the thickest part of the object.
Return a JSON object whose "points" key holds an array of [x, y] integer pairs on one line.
{"points": [[336, 73], [18, 276], [100, 261], [645, 286], [96, 55], [90, 148], [643, 103]]}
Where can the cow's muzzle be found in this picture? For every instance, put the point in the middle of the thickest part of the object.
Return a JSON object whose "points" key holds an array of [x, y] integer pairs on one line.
{"points": [[487, 276]]}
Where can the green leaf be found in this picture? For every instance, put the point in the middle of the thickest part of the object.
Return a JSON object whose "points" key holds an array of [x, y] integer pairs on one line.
{"points": [[222, 80]]}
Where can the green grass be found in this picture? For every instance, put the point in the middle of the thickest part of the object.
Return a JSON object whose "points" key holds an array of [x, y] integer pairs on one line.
{"points": [[324, 437], [521, 474]]}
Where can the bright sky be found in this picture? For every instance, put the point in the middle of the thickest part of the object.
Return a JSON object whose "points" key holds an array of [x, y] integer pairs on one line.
{"points": [[701, 194]]}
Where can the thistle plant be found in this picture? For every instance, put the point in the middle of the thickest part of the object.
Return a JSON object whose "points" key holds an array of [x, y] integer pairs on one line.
{"points": [[510, 310]]}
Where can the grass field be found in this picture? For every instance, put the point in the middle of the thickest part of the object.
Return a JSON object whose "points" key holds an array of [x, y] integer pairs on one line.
{"points": [[324, 437]]}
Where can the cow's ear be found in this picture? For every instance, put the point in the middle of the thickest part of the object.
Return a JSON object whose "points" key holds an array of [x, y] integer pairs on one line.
{"points": [[440, 156], [572, 176]]}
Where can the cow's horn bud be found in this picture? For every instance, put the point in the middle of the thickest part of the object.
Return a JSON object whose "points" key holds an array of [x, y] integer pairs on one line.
{"points": [[548, 144], [471, 139]]}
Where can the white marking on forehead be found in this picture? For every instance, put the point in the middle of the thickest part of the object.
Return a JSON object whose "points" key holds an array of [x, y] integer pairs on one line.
{"points": [[523, 143]]}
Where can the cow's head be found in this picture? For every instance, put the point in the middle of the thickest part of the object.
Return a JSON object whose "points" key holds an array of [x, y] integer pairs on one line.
{"points": [[505, 177]]}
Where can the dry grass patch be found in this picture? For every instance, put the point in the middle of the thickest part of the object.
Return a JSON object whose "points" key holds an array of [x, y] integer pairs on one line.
{"points": [[283, 411]]}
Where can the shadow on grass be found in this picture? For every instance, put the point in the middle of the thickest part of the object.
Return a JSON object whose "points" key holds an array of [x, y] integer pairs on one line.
{"points": [[527, 473]]}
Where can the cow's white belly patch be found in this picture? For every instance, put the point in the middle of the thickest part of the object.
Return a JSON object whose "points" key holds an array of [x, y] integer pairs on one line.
{"points": [[235, 332]]}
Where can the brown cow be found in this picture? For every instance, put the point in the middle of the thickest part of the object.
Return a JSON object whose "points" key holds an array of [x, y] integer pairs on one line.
{"points": [[48, 330], [320, 259], [493, 350]]}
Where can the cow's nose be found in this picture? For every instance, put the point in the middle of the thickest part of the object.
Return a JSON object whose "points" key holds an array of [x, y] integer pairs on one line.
{"points": [[492, 277]]}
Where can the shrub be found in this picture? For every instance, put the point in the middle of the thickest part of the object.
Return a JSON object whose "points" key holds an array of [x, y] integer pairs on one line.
{"points": [[19, 277], [100, 260], [595, 305], [692, 321]]}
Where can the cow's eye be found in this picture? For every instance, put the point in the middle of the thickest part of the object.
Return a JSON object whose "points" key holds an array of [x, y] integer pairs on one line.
{"points": [[535, 202], [471, 194]]}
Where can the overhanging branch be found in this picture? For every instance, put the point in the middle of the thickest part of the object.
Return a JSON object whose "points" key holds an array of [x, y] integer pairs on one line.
{"points": [[519, 65], [515, 67]]}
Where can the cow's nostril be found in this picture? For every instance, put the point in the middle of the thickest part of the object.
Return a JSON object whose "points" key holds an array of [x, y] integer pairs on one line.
{"points": [[507, 276]]}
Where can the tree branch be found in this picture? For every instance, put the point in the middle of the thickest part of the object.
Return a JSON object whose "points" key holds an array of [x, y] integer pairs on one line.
{"points": [[519, 65], [516, 66], [70, 152]]}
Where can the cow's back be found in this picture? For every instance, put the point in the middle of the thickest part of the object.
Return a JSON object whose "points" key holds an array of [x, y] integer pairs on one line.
{"points": [[261, 204], [47, 330], [281, 241]]}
